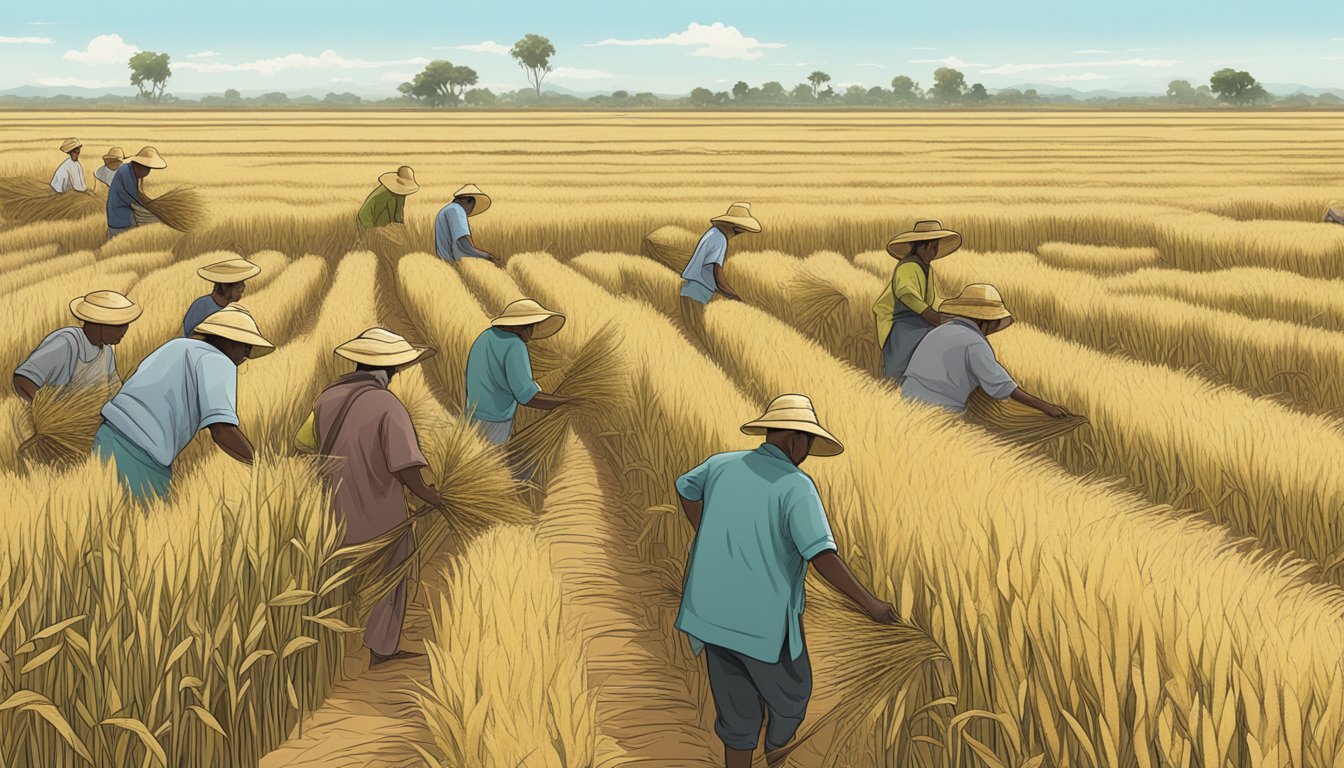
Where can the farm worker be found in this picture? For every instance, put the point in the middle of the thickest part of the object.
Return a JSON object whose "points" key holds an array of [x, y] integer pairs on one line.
{"points": [[359, 422], [80, 356], [111, 162], [70, 174], [1335, 213], [123, 195], [387, 203], [905, 310], [703, 275], [181, 388], [758, 523], [499, 370], [452, 235], [229, 279], [955, 358]]}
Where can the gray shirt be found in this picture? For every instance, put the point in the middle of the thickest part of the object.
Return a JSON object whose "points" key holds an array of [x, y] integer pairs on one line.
{"points": [[948, 365], [199, 310], [66, 356]]}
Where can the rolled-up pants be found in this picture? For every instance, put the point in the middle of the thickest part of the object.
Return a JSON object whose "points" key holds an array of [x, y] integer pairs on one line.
{"points": [[741, 685]]}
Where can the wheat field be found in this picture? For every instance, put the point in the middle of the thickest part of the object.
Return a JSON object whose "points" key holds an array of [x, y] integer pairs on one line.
{"points": [[1161, 588]]}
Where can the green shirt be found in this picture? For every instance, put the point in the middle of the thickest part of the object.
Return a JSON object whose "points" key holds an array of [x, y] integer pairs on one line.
{"points": [[382, 207], [499, 376], [762, 522]]}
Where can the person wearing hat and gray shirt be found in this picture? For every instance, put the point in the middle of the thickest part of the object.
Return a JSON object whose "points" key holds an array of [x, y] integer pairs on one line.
{"points": [[123, 195], [111, 162], [83, 356], [759, 523], [230, 281], [452, 234], [70, 174], [955, 359], [703, 275]]}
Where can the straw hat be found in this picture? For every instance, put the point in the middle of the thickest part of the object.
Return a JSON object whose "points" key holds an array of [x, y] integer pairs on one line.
{"points": [[527, 312], [381, 347], [105, 308], [231, 271], [70, 145], [115, 153], [235, 323], [739, 215], [475, 193], [980, 301], [149, 157], [925, 231], [402, 182], [796, 412]]}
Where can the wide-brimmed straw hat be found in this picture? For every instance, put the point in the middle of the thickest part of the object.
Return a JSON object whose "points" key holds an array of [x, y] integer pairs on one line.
{"points": [[979, 301], [105, 308], [900, 245], [70, 145], [231, 271], [148, 157], [235, 323], [381, 347], [739, 215], [796, 412], [475, 193], [527, 312], [114, 153], [401, 181]]}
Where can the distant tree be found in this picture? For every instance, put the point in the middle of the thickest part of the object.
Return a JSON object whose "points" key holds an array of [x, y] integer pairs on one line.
{"points": [[1329, 100], [232, 94], [948, 84], [620, 95], [740, 90], [150, 73], [878, 95], [1009, 96], [773, 93], [646, 99], [1181, 92], [340, 99], [273, 99], [818, 79], [480, 97], [1236, 87], [1031, 96], [903, 89], [722, 97], [533, 53], [978, 94], [702, 97], [856, 95], [442, 83], [826, 95], [803, 92]]}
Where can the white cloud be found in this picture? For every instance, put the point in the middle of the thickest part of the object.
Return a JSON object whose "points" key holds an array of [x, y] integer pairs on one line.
{"points": [[79, 82], [716, 41], [1014, 69], [572, 73], [873, 66], [489, 46], [104, 49], [949, 61], [1089, 51], [1084, 77], [25, 41], [328, 59], [204, 55]]}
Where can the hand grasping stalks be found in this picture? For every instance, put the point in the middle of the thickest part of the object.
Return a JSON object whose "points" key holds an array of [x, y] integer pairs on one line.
{"points": [[1017, 422]]}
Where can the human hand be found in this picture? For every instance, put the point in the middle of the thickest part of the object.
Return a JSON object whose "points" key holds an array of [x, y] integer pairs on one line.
{"points": [[1054, 411], [880, 612]]}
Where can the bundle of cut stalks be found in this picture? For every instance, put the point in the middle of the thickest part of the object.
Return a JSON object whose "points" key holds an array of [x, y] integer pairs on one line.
{"points": [[182, 208], [63, 421], [26, 199], [670, 246], [821, 311], [1017, 422]]}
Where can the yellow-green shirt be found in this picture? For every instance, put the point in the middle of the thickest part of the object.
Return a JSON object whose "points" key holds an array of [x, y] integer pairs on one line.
{"points": [[910, 287], [382, 207]]}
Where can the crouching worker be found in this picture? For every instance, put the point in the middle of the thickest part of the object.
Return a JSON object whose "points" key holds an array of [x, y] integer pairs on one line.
{"points": [[365, 434], [181, 388], [758, 523], [80, 356]]}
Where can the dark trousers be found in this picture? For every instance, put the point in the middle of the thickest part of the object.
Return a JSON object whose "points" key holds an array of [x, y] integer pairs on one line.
{"points": [[745, 689]]}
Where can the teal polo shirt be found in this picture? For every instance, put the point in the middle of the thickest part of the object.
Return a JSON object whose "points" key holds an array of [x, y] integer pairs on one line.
{"points": [[762, 522], [499, 376]]}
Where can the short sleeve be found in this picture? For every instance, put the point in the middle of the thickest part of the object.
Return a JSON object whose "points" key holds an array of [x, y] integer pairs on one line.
{"points": [[807, 523], [460, 227], [691, 486], [518, 372], [401, 448], [989, 374], [216, 390], [715, 251], [53, 360], [909, 283]]}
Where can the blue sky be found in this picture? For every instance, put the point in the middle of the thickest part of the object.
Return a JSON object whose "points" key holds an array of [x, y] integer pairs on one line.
{"points": [[672, 47]]}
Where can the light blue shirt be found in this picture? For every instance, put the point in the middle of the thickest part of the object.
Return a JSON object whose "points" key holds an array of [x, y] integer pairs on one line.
{"points": [[183, 387], [949, 364], [762, 522], [197, 312], [499, 376], [712, 249], [450, 225]]}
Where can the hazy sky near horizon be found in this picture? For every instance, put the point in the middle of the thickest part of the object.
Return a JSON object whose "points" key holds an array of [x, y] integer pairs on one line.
{"points": [[672, 47]]}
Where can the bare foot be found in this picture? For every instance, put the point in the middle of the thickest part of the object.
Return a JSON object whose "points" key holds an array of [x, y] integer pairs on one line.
{"points": [[378, 659]]}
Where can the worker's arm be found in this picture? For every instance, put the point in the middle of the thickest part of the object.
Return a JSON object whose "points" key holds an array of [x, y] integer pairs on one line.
{"points": [[693, 510], [1049, 409], [231, 441], [412, 478], [544, 401], [24, 387], [724, 287], [468, 247], [909, 286], [838, 575]]}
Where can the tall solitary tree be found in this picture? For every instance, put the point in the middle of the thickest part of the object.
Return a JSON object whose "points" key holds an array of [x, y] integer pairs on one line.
{"points": [[948, 84], [150, 73], [1236, 87], [533, 53], [818, 79]]}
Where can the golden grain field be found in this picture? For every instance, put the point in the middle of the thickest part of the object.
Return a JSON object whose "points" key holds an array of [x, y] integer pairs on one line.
{"points": [[1161, 588]]}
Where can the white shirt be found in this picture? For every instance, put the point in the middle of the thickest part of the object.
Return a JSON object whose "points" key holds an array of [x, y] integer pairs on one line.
{"points": [[183, 387], [104, 174], [70, 175], [951, 361], [711, 250], [67, 356]]}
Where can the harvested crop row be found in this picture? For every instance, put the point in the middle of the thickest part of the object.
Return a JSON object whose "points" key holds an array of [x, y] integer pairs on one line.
{"points": [[446, 315], [1099, 259]]}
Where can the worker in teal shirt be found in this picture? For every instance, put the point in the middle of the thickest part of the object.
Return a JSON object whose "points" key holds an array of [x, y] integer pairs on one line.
{"points": [[499, 369], [759, 522]]}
